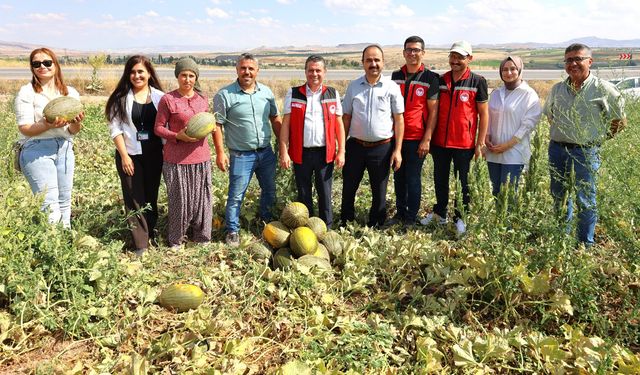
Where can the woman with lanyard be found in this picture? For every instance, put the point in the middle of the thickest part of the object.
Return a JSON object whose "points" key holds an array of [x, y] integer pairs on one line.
{"points": [[131, 111], [47, 159], [187, 161]]}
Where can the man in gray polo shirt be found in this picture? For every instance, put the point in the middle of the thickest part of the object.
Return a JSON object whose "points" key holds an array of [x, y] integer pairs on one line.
{"points": [[372, 115], [583, 111], [248, 112]]}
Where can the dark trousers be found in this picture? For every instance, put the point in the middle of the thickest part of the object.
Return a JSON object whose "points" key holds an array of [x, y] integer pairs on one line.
{"points": [[314, 166], [141, 190], [375, 160], [442, 158], [407, 182]]}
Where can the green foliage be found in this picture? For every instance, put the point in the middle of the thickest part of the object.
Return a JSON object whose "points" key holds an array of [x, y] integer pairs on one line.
{"points": [[515, 295]]}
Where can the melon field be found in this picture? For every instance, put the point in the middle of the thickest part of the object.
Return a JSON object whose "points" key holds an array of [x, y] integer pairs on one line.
{"points": [[515, 295]]}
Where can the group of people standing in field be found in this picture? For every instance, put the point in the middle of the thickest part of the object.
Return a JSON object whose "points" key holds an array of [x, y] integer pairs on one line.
{"points": [[381, 123]]}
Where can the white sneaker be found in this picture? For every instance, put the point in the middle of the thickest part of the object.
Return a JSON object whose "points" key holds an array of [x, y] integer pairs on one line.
{"points": [[432, 216], [461, 228]]}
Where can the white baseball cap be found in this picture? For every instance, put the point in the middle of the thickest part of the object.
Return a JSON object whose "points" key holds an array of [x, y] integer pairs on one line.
{"points": [[462, 47]]}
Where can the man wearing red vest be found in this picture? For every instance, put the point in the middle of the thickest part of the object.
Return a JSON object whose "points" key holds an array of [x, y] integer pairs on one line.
{"points": [[463, 114], [420, 89], [311, 128]]}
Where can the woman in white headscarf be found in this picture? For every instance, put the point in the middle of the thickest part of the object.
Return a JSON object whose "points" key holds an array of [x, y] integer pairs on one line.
{"points": [[514, 112]]}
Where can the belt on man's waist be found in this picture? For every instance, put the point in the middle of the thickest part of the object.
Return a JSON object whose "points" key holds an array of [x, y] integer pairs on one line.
{"points": [[254, 150], [372, 144], [575, 145], [316, 148]]}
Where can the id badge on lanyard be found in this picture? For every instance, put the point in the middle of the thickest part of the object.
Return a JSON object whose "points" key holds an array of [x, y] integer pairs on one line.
{"points": [[142, 135]]}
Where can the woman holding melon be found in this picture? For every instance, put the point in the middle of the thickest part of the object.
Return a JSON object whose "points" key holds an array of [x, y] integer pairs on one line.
{"points": [[131, 111], [187, 160], [46, 158]]}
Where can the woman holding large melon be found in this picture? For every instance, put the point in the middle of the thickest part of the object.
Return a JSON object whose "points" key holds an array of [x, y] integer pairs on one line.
{"points": [[46, 158], [187, 160], [131, 111]]}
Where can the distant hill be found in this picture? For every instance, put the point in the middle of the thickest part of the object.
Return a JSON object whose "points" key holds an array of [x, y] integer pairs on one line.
{"points": [[16, 49]]}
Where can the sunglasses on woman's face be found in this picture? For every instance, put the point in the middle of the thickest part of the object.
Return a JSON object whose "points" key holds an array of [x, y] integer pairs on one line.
{"points": [[46, 63]]}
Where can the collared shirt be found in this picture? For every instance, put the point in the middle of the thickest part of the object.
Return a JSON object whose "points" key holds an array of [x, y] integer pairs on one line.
{"points": [[584, 116], [372, 108], [29, 106], [245, 116], [314, 132]]}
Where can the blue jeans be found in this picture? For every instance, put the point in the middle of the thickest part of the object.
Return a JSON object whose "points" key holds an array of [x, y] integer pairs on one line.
{"points": [[242, 165], [407, 181], [500, 173], [585, 162], [48, 165]]}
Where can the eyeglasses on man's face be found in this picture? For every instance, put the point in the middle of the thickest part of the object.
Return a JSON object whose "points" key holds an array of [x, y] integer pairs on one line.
{"points": [[577, 59], [414, 51], [46, 63]]}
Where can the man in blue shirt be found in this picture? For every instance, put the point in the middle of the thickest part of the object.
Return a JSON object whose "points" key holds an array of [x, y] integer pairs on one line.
{"points": [[248, 112]]}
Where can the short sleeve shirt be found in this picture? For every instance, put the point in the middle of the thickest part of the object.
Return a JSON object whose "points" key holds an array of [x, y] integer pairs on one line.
{"points": [[245, 117], [29, 106], [372, 108]]}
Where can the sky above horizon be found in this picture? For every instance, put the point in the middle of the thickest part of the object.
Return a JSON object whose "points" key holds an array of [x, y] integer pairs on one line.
{"points": [[226, 25]]}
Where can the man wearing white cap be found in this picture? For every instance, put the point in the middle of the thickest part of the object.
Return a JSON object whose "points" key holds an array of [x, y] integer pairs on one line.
{"points": [[463, 118]]}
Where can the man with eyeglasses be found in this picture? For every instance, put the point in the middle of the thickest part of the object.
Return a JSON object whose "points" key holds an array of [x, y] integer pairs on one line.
{"points": [[463, 118], [420, 89], [583, 112]]}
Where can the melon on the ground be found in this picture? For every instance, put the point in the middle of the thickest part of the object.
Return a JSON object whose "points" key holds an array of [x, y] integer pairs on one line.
{"points": [[322, 252], [314, 262], [282, 259], [295, 215], [276, 234], [181, 297], [65, 108], [303, 241], [201, 124], [334, 244], [317, 225], [258, 251]]}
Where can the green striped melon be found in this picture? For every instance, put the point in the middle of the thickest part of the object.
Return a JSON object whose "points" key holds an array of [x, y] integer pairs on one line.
{"points": [[317, 225], [303, 241], [322, 252], [65, 108], [181, 297], [314, 262], [282, 259], [201, 125], [258, 251], [334, 244], [295, 215]]}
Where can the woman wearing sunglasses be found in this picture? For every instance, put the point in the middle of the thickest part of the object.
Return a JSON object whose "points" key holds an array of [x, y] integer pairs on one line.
{"points": [[131, 111], [47, 159]]}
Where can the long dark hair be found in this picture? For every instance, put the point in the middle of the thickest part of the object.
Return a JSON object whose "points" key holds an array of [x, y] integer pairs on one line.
{"points": [[58, 80], [116, 107]]}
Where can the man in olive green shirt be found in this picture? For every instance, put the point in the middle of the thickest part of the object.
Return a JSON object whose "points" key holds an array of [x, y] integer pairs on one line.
{"points": [[583, 111]]}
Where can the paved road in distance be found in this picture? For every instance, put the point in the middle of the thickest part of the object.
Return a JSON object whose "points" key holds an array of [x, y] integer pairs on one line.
{"points": [[289, 74]]}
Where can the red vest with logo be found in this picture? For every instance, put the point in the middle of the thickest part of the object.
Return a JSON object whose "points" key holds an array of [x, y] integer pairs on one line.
{"points": [[416, 93], [457, 110], [328, 101]]}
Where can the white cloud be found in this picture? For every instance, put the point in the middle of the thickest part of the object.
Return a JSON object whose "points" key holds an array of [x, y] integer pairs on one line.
{"points": [[151, 13], [403, 11], [360, 7], [217, 13], [46, 16], [286, 2], [6, 7]]}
